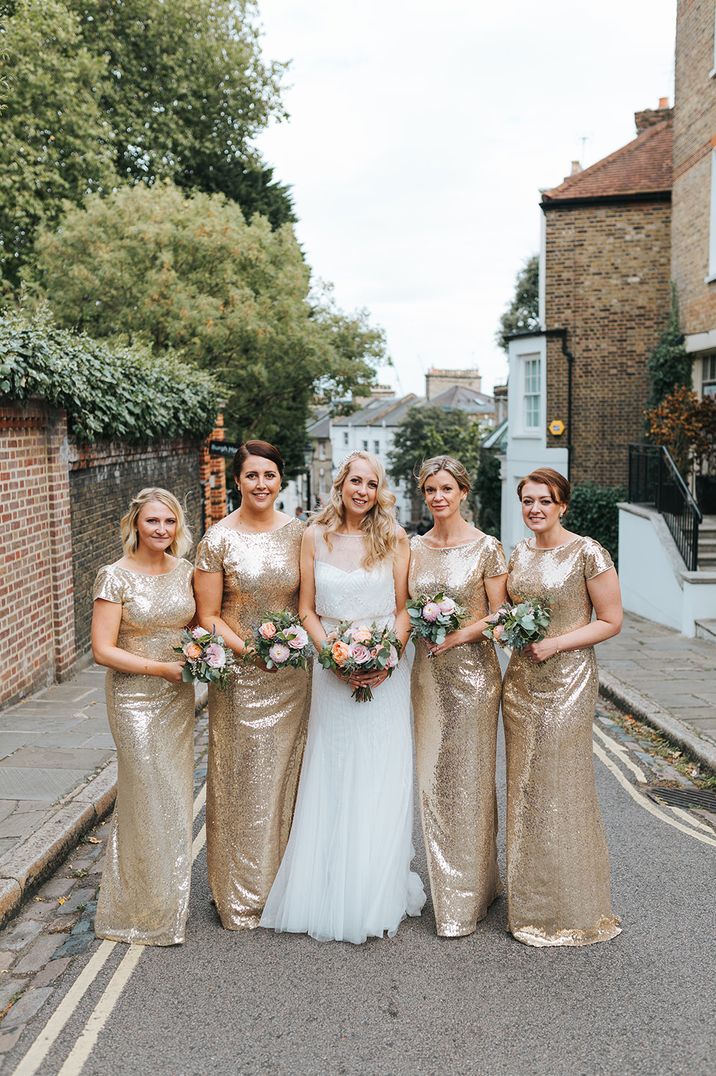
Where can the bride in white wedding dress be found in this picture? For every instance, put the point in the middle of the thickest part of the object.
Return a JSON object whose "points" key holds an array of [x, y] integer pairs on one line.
{"points": [[345, 875]]}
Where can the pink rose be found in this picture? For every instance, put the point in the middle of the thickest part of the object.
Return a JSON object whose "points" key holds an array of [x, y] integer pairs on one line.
{"points": [[198, 633], [267, 630], [361, 635], [431, 612], [447, 606], [360, 653], [297, 637], [215, 656], [498, 632], [279, 653], [192, 651], [392, 658]]}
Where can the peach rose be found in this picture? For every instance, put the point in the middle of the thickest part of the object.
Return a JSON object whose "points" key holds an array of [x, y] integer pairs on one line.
{"points": [[267, 630], [361, 635], [340, 653], [192, 651]]}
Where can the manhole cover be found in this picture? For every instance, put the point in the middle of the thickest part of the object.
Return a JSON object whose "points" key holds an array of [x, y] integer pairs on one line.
{"points": [[684, 797]]}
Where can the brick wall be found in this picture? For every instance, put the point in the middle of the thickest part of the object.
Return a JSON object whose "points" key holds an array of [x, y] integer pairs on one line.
{"points": [[607, 283], [212, 475], [36, 588], [694, 139], [103, 479]]}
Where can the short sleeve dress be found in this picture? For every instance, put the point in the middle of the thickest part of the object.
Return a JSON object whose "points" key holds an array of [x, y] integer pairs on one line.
{"points": [[144, 896], [257, 724], [558, 885], [456, 703]]}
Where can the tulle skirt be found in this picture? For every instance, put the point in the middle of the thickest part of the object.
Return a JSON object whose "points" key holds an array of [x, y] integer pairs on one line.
{"points": [[346, 875]]}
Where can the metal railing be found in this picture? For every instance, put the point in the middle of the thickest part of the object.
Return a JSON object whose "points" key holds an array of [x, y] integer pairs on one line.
{"points": [[655, 479]]}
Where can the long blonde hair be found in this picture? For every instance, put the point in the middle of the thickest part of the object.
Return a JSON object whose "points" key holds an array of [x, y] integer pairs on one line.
{"points": [[128, 522], [379, 526]]}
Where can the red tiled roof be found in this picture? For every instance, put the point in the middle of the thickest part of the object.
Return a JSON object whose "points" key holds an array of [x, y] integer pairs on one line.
{"points": [[641, 167]]}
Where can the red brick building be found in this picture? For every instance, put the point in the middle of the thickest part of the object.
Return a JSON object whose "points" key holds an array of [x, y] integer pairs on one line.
{"points": [[694, 185]]}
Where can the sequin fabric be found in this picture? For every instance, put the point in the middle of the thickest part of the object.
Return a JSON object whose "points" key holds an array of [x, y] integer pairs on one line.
{"points": [[558, 887], [144, 896], [257, 725], [456, 702]]}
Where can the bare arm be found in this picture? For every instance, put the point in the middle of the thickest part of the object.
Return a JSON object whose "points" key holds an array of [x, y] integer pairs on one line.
{"points": [[209, 592], [401, 565], [106, 621], [496, 591], [607, 601], [307, 593]]}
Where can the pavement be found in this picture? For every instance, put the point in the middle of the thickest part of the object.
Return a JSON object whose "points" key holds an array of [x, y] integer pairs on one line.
{"points": [[58, 777], [665, 679]]}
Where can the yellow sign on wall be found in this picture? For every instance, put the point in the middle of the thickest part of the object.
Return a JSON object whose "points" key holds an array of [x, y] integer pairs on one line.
{"points": [[556, 427]]}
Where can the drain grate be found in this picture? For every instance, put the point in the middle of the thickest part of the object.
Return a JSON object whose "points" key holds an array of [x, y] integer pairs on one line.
{"points": [[684, 797]]}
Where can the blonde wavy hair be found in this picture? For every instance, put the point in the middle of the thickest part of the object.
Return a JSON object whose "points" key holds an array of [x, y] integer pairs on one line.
{"points": [[128, 523], [379, 525]]}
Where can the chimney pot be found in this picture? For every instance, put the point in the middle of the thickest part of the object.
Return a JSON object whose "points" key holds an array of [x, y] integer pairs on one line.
{"points": [[576, 168], [663, 102]]}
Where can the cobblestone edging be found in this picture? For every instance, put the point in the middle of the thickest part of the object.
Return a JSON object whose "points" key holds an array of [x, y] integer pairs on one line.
{"points": [[631, 701], [26, 866]]}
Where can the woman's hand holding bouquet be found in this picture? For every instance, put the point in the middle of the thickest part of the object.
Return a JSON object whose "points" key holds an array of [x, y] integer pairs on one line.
{"points": [[280, 642], [520, 625], [353, 651], [207, 658], [435, 618]]}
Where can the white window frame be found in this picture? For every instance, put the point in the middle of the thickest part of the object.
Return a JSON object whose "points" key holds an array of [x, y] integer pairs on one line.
{"points": [[528, 363], [708, 375]]}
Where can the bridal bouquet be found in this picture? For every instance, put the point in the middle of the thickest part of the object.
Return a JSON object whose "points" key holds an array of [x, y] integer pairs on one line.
{"points": [[207, 658], [519, 625], [434, 618], [350, 649], [280, 642]]}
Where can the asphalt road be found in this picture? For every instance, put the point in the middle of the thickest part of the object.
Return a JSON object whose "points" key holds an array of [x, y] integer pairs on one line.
{"points": [[264, 1003]]}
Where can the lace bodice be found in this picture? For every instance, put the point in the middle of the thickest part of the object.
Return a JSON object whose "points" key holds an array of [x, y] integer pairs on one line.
{"points": [[347, 591]]}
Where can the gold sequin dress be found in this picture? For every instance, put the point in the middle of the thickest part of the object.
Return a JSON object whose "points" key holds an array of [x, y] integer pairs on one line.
{"points": [[558, 888], [456, 704], [144, 896], [257, 724]]}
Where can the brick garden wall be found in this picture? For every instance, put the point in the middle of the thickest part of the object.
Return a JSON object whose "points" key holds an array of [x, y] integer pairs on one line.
{"points": [[694, 140], [36, 591], [607, 272], [103, 479]]}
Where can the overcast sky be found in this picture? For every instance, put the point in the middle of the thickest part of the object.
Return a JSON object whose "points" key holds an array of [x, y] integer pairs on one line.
{"points": [[419, 137]]}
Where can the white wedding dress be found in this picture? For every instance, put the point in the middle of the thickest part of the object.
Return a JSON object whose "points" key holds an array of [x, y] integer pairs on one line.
{"points": [[346, 875]]}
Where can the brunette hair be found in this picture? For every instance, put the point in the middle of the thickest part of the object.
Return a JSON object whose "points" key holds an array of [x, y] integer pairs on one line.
{"points": [[379, 526], [558, 486], [257, 448], [444, 463], [128, 523]]}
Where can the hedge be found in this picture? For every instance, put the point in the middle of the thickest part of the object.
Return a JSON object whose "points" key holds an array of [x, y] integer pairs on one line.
{"points": [[107, 393], [593, 511]]}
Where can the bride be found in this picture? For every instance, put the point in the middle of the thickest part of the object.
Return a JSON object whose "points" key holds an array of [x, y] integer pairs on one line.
{"points": [[346, 873]]}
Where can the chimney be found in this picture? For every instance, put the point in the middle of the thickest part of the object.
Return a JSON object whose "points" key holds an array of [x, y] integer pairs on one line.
{"points": [[576, 168], [650, 116]]}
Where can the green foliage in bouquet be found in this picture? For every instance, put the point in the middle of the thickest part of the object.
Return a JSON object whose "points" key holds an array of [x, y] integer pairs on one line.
{"points": [[524, 623]]}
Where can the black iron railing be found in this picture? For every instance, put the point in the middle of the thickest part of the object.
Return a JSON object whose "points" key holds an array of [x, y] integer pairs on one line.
{"points": [[655, 479]]}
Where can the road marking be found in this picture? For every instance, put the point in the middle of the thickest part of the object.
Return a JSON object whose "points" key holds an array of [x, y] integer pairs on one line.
{"points": [[621, 753], [43, 1043], [200, 800], [644, 802], [689, 818], [103, 1010]]}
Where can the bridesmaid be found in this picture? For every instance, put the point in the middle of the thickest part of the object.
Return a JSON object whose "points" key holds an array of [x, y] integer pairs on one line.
{"points": [[558, 889], [247, 566], [456, 702], [141, 604]]}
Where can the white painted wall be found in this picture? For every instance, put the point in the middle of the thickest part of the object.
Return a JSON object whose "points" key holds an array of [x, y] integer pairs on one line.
{"points": [[347, 439], [526, 448], [655, 583]]}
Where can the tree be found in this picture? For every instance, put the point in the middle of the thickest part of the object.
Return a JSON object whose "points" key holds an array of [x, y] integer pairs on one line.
{"points": [[187, 94], [56, 144], [151, 265], [488, 492], [432, 431], [522, 313], [669, 364]]}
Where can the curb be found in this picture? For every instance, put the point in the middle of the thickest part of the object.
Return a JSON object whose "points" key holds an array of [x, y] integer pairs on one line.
{"points": [[631, 701], [29, 863]]}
